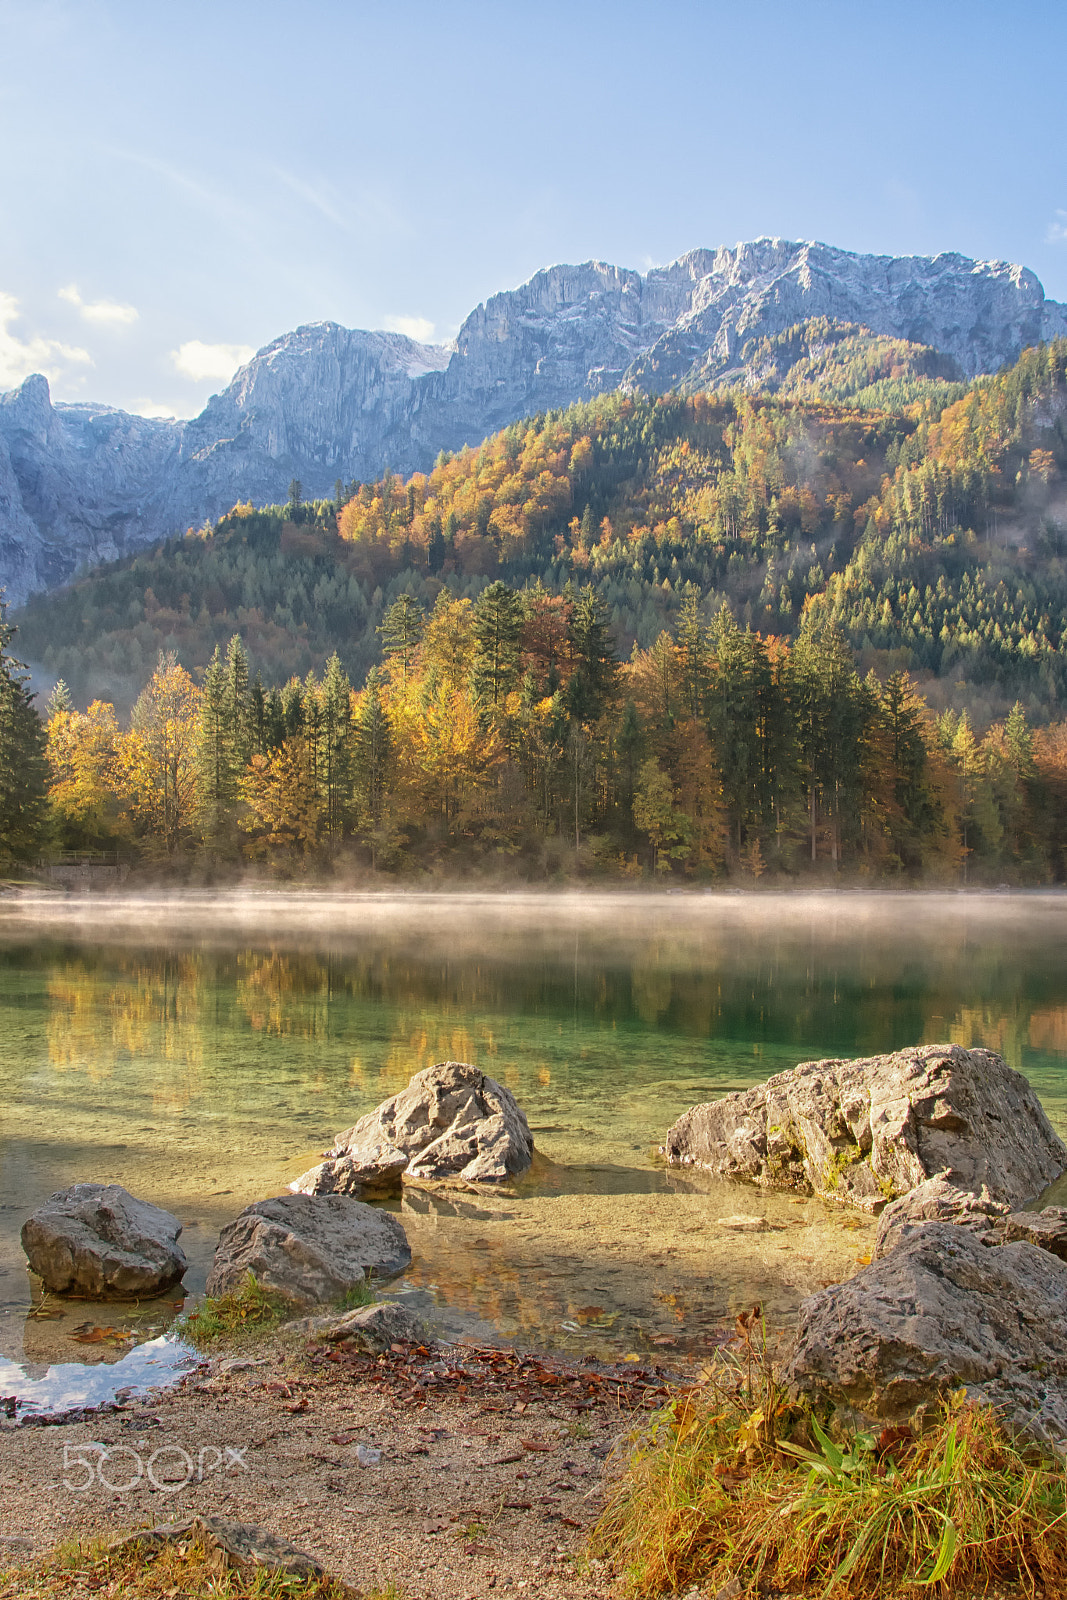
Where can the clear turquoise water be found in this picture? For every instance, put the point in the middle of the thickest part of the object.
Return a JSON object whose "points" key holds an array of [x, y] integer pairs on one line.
{"points": [[202, 1052]]}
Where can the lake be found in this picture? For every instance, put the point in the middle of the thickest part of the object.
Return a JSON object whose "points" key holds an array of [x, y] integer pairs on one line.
{"points": [[203, 1051]]}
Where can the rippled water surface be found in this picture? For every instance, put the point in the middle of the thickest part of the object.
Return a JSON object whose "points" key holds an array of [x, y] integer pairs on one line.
{"points": [[202, 1053]]}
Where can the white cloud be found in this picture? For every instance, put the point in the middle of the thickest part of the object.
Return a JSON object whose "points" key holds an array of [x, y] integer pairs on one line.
{"points": [[20, 357], [418, 328], [152, 408], [198, 361], [1056, 232], [107, 312]]}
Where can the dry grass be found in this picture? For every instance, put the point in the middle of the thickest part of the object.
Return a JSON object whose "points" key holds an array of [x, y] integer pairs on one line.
{"points": [[732, 1480], [247, 1311], [87, 1569]]}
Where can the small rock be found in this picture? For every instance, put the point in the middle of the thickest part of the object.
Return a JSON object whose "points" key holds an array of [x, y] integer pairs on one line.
{"points": [[97, 1240], [372, 1327], [368, 1457], [308, 1249], [741, 1222], [1047, 1229], [937, 1200], [245, 1545]]}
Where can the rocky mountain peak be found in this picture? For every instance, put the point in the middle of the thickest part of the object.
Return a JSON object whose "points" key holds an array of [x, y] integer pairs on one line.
{"points": [[80, 484]]}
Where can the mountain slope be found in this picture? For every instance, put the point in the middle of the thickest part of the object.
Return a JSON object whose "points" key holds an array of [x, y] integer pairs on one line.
{"points": [[81, 484], [935, 538]]}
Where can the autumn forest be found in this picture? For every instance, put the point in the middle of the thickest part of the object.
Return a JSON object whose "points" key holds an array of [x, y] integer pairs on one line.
{"points": [[816, 630]]}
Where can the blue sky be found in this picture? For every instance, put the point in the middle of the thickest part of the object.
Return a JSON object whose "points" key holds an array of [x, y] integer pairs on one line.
{"points": [[180, 184]]}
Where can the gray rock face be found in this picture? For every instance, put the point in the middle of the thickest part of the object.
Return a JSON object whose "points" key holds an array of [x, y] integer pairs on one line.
{"points": [[1047, 1229], [81, 483], [936, 1200], [450, 1121], [308, 1250], [871, 1130], [942, 1310], [97, 1240]]}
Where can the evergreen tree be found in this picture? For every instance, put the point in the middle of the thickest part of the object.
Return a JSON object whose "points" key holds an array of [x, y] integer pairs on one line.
{"points": [[401, 630], [22, 763], [374, 752], [498, 619], [593, 685], [335, 745]]}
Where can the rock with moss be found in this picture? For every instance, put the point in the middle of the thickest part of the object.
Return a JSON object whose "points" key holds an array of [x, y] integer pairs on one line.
{"points": [[943, 1310], [937, 1200], [871, 1130], [308, 1250], [452, 1121]]}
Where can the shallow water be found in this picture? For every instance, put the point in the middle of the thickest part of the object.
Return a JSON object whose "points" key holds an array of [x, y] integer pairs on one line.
{"points": [[203, 1052]]}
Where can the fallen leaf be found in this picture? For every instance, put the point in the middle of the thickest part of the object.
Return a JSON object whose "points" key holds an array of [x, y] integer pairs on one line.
{"points": [[864, 1261], [569, 1522], [341, 1438], [533, 1444], [664, 1338], [298, 1406]]}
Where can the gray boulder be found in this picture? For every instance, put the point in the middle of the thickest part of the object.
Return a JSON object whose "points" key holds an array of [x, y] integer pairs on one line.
{"points": [[451, 1121], [941, 1311], [870, 1130], [308, 1250], [371, 1327], [97, 1240]]}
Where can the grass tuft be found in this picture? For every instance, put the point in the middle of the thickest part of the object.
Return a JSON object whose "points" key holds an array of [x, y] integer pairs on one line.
{"points": [[75, 1570], [247, 1310], [734, 1480]]}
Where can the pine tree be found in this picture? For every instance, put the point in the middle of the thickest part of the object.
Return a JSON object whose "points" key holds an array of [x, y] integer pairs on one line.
{"points": [[401, 630], [593, 684], [22, 763], [498, 619]]}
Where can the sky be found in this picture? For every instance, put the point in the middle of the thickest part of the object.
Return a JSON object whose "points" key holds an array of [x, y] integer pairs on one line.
{"points": [[181, 184]]}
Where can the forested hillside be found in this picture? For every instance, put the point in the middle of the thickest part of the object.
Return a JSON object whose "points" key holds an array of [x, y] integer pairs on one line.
{"points": [[923, 517]]}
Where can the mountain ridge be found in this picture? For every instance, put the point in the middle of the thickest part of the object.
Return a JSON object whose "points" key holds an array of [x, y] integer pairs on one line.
{"points": [[83, 483]]}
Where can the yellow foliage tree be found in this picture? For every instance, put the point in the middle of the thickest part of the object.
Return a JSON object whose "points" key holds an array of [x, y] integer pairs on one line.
{"points": [[81, 752], [155, 762]]}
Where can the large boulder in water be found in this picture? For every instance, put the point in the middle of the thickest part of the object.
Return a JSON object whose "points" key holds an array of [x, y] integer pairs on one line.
{"points": [[451, 1121], [98, 1241], [308, 1249], [870, 1130], [941, 1311]]}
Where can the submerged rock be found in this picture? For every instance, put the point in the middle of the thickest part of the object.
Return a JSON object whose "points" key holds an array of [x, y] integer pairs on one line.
{"points": [[942, 1310], [308, 1249], [451, 1121], [871, 1130], [97, 1240]]}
